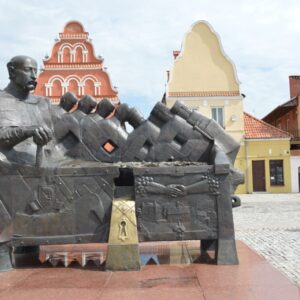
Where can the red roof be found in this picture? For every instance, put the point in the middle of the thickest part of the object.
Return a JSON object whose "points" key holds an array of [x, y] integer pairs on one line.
{"points": [[258, 129]]}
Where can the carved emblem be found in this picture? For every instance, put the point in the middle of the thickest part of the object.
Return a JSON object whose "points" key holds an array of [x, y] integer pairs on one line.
{"points": [[179, 229], [47, 197]]}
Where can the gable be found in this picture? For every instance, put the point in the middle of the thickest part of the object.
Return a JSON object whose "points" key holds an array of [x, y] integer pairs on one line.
{"points": [[202, 65]]}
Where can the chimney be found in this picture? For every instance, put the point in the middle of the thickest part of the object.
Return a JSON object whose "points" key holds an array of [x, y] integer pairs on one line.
{"points": [[294, 85]]}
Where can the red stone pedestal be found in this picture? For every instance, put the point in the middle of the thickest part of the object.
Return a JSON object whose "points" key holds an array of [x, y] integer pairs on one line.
{"points": [[254, 278]]}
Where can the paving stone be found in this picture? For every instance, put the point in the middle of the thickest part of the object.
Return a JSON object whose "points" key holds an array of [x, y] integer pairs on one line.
{"points": [[270, 224]]}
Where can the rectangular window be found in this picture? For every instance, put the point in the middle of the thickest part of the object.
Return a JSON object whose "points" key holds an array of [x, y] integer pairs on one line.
{"points": [[276, 172], [217, 114]]}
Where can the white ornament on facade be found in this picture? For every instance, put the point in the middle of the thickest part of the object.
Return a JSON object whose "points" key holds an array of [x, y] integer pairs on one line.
{"points": [[49, 84], [60, 56], [72, 55], [97, 86], [85, 55], [61, 51], [48, 87], [81, 88], [64, 86], [72, 49], [75, 78]]}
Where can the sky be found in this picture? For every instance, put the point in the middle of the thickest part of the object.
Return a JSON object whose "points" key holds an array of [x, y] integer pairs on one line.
{"points": [[136, 38]]}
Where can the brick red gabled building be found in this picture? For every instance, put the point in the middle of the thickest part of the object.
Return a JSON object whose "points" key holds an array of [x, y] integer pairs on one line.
{"points": [[287, 115], [73, 66]]}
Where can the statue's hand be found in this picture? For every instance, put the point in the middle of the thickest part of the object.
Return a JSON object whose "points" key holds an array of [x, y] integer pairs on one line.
{"points": [[181, 188], [175, 190], [42, 135]]}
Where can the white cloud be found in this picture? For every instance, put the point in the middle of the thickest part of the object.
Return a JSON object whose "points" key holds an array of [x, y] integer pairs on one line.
{"points": [[137, 37]]}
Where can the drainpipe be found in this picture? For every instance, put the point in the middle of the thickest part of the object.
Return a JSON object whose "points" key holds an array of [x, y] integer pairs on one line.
{"points": [[247, 168]]}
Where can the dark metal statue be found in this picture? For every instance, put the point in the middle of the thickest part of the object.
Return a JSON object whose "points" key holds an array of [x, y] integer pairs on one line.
{"points": [[25, 119], [86, 104], [103, 109], [60, 171], [67, 102], [68, 130]]}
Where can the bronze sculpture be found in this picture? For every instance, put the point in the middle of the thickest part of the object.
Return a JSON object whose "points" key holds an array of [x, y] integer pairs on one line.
{"points": [[23, 115], [67, 102], [68, 167]]}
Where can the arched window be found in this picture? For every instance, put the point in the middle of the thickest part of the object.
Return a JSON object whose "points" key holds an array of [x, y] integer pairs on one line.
{"points": [[89, 88], [73, 87], [56, 88], [67, 55], [78, 55]]}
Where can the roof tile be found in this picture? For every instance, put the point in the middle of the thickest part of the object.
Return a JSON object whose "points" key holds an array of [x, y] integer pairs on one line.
{"points": [[258, 129]]}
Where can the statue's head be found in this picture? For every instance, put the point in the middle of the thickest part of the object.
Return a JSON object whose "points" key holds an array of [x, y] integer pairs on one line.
{"points": [[23, 72], [122, 112], [68, 101], [86, 104], [105, 108]]}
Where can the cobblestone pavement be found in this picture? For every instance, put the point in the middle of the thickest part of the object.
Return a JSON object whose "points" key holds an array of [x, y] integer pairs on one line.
{"points": [[270, 224]]}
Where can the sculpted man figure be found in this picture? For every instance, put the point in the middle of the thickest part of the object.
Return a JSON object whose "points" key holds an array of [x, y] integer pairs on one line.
{"points": [[25, 119]]}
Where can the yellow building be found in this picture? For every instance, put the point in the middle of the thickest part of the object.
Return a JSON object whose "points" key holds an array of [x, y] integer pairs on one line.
{"points": [[264, 158], [205, 79]]}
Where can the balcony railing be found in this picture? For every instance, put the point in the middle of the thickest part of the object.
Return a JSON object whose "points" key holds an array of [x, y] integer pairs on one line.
{"points": [[295, 134]]}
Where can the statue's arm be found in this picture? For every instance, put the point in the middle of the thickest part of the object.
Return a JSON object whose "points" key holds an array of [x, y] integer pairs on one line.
{"points": [[155, 188], [198, 187], [13, 135], [170, 190]]}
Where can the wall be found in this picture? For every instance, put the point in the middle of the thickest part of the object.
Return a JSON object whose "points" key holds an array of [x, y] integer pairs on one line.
{"points": [[233, 111], [288, 121], [264, 150], [298, 114], [295, 169], [240, 164], [202, 65], [203, 77]]}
